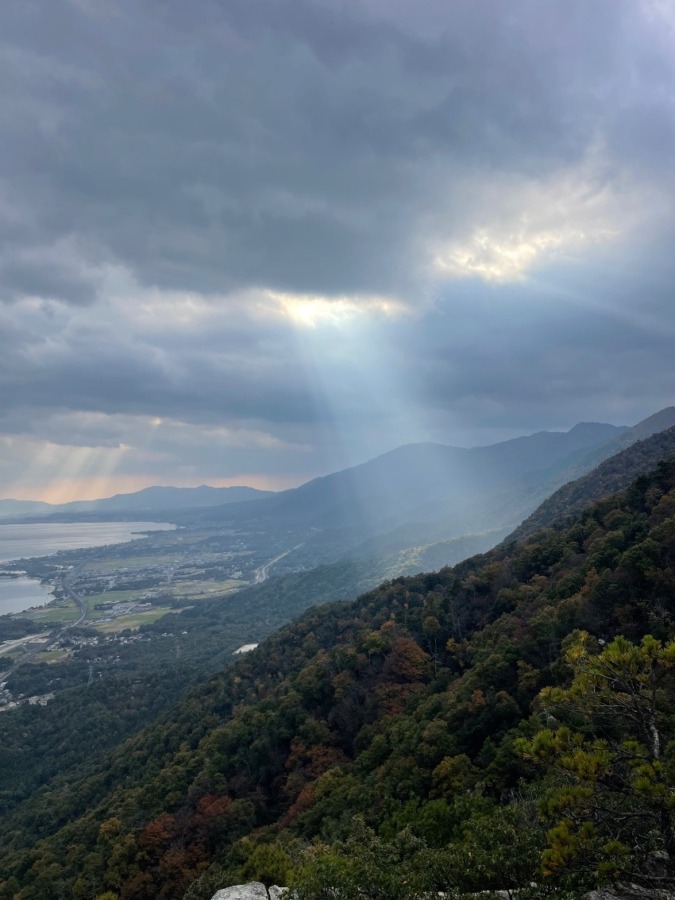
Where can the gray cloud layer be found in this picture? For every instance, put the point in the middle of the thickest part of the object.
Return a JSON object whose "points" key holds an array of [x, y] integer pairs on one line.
{"points": [[175, 179]]}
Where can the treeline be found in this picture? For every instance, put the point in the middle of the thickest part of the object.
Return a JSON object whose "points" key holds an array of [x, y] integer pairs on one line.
{"points": [[440, 724]]}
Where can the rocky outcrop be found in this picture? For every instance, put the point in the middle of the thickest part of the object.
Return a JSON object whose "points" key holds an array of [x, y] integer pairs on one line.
{"points": [[631, 892], [254, 890], [257, 891]]}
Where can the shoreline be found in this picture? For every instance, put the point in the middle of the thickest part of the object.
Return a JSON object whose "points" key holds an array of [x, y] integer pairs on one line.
{"points": [[111, 533]]}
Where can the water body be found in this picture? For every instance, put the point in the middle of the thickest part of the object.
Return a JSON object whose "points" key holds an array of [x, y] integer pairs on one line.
{"points": [[43, 539], [19, 594]]}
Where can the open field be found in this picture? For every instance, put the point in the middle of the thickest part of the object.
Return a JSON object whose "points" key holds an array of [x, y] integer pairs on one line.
{"points": [[110, 598], [201, 588], [132, 621], [58, 612], [172, 569], [9, 646]]}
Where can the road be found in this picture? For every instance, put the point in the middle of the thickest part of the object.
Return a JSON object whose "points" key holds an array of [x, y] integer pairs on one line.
{"points": [[67, 587], [262, 573]]}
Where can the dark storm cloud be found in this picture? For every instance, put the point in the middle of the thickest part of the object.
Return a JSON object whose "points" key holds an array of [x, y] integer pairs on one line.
{"points": [[158, 155], [102, 367], [296, 144], [550, 360]]}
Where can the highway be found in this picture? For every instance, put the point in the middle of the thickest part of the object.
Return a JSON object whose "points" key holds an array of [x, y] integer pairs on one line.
{"points": [[68, 588], [262, 573]]}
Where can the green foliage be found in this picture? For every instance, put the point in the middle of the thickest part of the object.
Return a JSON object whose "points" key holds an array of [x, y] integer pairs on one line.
{"points": [[363, 866], [210, 882], [495, 850], [268, 863], [612, 796], [498, 849]]}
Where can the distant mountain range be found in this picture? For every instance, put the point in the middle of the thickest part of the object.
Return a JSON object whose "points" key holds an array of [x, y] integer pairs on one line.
{"points": [[430, 494], [420, 483], [452, 501], [149, 499]]}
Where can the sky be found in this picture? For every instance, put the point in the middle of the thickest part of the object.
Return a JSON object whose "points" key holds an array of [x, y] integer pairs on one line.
{"points": [[255, 241]]}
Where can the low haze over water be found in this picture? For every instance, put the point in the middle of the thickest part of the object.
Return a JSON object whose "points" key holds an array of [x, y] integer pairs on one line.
{"points": [[41, 539]]}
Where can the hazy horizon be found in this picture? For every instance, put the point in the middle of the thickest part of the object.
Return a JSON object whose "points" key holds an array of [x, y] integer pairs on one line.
{"points": [[215, 483], [251, 243]]}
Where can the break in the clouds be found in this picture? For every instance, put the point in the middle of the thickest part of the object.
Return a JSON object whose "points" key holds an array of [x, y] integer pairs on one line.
{"points": [[251, 240]]}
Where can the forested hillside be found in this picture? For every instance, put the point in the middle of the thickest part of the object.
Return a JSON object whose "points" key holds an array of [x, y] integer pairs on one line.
{"points": [[104, 698], [504, 722], [612, 475]]}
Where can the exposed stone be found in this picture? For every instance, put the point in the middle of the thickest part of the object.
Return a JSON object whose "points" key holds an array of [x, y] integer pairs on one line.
{"points": [[631, 892], [255, 890]]}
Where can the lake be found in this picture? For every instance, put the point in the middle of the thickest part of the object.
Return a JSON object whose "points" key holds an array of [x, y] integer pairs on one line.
{"points": [[19, 594], [43, 539]]}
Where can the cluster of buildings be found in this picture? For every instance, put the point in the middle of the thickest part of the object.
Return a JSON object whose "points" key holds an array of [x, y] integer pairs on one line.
{"points": [[8, 701]]}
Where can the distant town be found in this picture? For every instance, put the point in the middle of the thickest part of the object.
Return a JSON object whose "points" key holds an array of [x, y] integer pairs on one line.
{"points": [[102, 597]]}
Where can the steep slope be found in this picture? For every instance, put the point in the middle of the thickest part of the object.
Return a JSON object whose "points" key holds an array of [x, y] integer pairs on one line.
{"points": [[86, 720], [403, 706], [499, 509], [612, 475], [587, 460], [659, 421]]}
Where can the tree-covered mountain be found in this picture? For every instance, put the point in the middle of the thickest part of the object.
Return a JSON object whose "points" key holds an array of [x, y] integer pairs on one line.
{"points": [[499, 723], [610, 476], [658, 421]]}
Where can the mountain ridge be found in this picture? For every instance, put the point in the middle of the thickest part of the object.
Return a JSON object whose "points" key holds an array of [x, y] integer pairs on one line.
{"points": [[153, 498], [392, 485], [610, 476]]}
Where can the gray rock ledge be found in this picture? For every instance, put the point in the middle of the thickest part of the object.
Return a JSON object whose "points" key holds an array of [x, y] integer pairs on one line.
{"points": [[254, 890]]}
